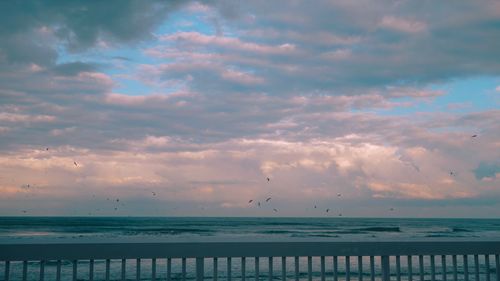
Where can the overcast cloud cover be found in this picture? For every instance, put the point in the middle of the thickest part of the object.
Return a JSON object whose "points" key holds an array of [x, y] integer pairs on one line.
{"points": [[200, 102]]}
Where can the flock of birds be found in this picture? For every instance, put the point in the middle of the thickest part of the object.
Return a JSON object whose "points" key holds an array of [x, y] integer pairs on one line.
{"points": [[258, 203]]}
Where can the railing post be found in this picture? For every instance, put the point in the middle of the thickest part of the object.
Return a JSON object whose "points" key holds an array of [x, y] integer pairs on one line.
{"points": [[200, 269], [386, 272]]}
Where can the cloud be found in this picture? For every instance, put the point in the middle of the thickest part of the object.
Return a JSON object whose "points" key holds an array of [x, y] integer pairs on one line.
{"points": [[403, 25], [34, 27], [339, 96], [194, 38], [487, 170], [15, 118]]}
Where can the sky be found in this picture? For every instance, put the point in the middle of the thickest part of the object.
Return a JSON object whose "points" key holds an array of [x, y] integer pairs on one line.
{"points": [[185, 108]]}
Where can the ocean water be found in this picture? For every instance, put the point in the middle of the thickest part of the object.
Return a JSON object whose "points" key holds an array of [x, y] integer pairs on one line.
{"points": [[31, 229], [261, 228]]}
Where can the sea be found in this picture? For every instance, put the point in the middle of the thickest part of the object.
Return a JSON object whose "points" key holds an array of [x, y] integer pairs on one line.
{"points": [[33, 229]]}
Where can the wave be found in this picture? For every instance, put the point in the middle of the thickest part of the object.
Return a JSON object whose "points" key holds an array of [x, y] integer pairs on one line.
{"points": [[456, 229], [297, 235], [380, 229], [170, 231]]}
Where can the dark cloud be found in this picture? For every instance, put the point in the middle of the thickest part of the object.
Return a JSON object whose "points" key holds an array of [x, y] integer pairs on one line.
{"points": [[30, 30], [73, 68], [487, 170], [367, 43]]}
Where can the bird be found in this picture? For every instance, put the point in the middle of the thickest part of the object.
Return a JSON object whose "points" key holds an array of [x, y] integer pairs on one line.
{"points": [[340, 215], [452, 173], [116, 209], [250, 201], [268, 199], [117, 200], [315, 207], [154, 193], [24, 211], [327, 210], [275, 210], [76, 164], [473, 136], [268, 179], [26, 186], [258, 204], [338, 194], [47, 149], [391, 209]]}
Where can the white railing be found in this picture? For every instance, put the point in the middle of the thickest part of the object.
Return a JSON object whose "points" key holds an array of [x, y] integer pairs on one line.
{"points": [[401, 260]]}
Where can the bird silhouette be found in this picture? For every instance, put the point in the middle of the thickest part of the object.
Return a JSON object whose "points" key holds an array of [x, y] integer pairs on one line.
{"points": [[268, 199], [327, 210], [275, 210], [338, 194], [473, 136], [340, 215], [74, 163], [315, 207], [250, 201], [154, 193], [391, 209], [452, 173], [258, 204], [268, 179]]}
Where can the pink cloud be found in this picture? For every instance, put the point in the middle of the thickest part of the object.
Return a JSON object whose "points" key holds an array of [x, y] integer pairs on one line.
{"points": [[228, 42], [241, 77], [18, 117], [403, 25]]}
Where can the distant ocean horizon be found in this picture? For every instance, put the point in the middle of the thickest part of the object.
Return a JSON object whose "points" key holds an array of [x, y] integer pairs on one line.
{"points": [[23, 228]]}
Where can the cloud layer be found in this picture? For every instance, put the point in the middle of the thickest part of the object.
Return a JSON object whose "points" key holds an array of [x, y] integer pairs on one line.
{"points": [[200, 102]]}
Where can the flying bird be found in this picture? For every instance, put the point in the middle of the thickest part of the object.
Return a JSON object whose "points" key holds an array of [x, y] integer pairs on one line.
{"points": [[76, 164], [473, 136], [154, 193], [327, 210], [117, 200], [275, 210], [268, 179], [250, 201], [452, 173], [338, 194], [24, 211], [258, 204], [340, 215], [268, 199], [391, 209], [47, 149], [315, 207]]}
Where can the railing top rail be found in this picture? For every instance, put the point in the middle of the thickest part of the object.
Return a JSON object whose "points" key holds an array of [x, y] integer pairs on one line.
{"points": [[132, 250]]}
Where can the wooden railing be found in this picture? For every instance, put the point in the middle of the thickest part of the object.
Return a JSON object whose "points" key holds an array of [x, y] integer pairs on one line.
{"points": [[299, 260]]}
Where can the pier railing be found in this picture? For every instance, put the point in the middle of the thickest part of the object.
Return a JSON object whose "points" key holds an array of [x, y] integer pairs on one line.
{"points": [[259, 261]]}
